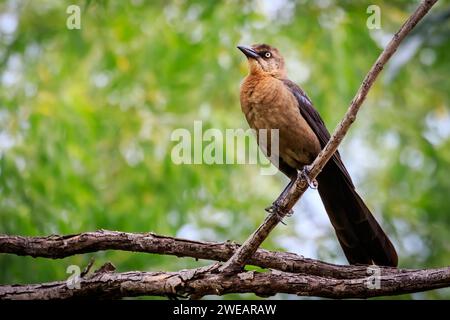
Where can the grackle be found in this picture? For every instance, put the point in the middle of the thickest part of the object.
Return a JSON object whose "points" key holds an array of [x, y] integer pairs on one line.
{"points": [[270, 100]]}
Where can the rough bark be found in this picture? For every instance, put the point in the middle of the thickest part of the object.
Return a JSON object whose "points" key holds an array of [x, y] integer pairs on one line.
{"points": [[195, 283], [57, 247]]}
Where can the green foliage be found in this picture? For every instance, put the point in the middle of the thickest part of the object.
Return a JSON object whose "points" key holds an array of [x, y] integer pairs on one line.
{"points": [[86, 117]]}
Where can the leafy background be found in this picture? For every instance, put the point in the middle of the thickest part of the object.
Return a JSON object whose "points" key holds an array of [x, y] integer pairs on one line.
{"points": [[86, 117]]}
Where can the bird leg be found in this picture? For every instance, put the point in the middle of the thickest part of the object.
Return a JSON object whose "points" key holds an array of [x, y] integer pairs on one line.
{"points": [[275, 207], [304, 173]]}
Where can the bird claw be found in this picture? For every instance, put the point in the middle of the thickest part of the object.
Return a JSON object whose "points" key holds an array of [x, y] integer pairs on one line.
{"points": [[275, 208], [270, 209], [304, 173]]}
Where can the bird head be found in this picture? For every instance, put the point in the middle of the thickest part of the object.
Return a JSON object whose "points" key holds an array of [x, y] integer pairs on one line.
{"points": [[264, 59]]}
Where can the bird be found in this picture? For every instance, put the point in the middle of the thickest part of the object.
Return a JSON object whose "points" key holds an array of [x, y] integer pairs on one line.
{"points": [[269, 100]]}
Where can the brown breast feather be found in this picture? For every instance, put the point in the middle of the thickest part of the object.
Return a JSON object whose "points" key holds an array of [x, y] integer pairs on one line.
{"points": [[268, 104]]}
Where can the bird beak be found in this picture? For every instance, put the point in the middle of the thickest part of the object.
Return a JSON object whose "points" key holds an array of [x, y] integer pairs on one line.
{"points": [[249, 52]]}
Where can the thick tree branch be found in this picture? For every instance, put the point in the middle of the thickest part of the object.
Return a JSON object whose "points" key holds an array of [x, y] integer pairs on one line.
{"points": [[57, 247], [288, 199], [195, 283], [295, 274]]}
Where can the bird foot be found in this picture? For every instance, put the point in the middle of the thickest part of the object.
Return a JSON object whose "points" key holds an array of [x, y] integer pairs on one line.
{"points": [[304, 173], [276, 208]]}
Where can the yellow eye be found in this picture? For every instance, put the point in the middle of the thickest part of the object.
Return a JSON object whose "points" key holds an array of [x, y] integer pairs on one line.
{"points": [[267, 54]]}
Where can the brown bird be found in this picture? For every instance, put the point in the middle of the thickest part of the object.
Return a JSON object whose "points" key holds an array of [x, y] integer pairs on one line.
{"points": [[270, 100]]}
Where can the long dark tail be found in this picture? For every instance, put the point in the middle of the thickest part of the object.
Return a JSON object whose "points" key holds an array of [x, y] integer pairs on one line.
{"points": [[360, 235]]}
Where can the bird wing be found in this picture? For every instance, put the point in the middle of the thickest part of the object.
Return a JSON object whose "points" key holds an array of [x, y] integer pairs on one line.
{"points": [[312, 117], [361, 237]]}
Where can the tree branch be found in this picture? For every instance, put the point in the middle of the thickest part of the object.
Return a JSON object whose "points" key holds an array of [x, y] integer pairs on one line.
{"points": [[288, 199], [57, 247], [295, 274], [195, 283]]}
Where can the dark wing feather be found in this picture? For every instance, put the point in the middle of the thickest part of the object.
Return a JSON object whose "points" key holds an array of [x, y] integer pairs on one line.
{"points": [[312, 117], [359, 234]]}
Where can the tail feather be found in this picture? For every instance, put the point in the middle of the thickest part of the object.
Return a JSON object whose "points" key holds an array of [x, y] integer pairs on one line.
{"points": [[361, 237]]}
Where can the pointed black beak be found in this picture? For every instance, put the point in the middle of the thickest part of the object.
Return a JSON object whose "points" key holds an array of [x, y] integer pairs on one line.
{"points": [[249, 52]]}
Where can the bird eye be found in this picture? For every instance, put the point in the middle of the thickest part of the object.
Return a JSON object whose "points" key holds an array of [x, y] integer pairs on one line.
{"points": [[267, 54]]}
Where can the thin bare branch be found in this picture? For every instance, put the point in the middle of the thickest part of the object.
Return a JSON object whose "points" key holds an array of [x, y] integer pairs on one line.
{"points": [[288, 199]]}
